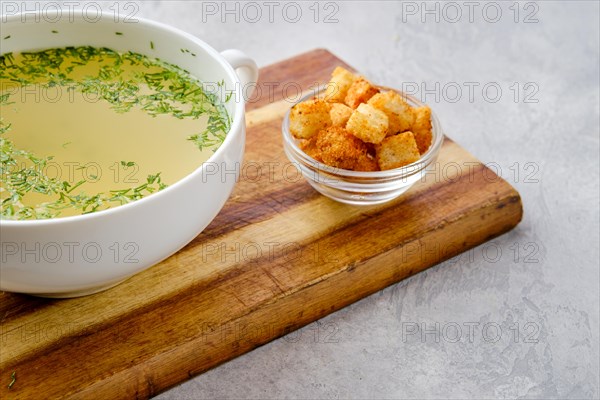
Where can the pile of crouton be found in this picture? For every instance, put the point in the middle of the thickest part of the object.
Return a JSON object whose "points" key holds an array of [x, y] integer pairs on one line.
{"points": [[356, 126]]}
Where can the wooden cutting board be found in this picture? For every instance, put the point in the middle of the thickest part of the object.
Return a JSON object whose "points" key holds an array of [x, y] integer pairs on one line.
{"points": [[277, 257]]}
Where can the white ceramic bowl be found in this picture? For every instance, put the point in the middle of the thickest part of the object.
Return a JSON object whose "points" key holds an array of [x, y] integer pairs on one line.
{"points": [[75, 256]]}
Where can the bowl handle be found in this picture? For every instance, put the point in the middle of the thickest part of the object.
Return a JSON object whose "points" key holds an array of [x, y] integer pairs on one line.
{"points": [[244, 66]]}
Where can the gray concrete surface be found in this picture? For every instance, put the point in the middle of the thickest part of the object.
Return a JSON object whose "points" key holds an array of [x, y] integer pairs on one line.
{"points": [[515, 318]]}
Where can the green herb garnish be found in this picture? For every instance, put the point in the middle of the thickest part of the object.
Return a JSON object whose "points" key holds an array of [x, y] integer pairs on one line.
{"points": [[13, 376], [162, 89], [18, 182], [172, 90]]}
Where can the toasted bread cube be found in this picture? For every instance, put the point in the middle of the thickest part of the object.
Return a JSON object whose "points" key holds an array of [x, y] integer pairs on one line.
{"points": [[337, 88], [367, 163], [397, 151], [421, 128], [309, 146], [340, 114], [368, 124], [309, 117], [341, 149], [399, 113], [359, 92]]}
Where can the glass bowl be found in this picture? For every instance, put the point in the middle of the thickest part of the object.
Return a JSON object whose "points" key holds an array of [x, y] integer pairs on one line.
{"points": [[357, 187]]}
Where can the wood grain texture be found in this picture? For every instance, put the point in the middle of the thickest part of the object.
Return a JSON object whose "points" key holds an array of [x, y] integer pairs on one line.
{"points": [[277, 257]]}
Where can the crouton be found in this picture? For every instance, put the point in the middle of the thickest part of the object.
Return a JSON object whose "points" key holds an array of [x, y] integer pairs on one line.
{"points": [[337, 88], [309, 117], [368, 124], [360, 91], [421, 128], [397, 151], [366, 163], [356, 127], [399, 113], [341, 149], [309, 146], [340, 113]]}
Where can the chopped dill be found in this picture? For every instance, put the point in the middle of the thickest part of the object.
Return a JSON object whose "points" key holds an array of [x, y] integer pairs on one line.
{"points": [[17, 183], [54, 31], [165, 89], [13, 378], [4, 99], [172, 90], [119, 33], [152, 45], [203, 141]]}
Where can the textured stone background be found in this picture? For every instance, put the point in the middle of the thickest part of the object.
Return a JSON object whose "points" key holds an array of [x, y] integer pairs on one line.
{"points": [[515, 318]]}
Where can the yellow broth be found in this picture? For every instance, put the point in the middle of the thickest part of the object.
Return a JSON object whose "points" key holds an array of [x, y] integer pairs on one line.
{"points": [[85, 129]]}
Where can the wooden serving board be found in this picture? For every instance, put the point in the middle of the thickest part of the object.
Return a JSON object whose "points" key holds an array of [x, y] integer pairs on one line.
{"points": [[277, 257]]}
